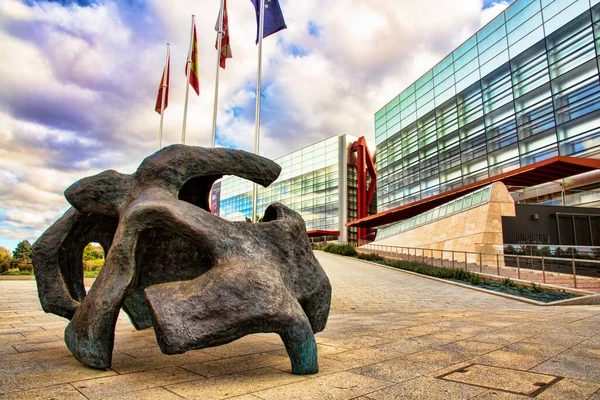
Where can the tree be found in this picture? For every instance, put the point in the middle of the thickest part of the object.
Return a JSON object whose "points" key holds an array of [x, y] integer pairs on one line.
{"points": [[22, 256], [5, 260], [22, 252], [90, 253]]}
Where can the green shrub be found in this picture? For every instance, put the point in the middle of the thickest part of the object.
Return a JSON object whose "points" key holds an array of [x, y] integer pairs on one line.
{"points": [[93, 265], [508, 282], [26, 268], [370, 257], [341, 249], [536, 287], [438, 272]]}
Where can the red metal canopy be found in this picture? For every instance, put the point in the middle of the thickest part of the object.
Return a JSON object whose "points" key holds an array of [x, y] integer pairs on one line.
{"points": [[548, 170], [319, 233]]}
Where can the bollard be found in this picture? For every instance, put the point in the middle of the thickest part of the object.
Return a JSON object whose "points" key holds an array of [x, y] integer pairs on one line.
{"points": [[518, 267], [498, 264], [574, 273], [480, 264], [432, 257], [543, 270]]}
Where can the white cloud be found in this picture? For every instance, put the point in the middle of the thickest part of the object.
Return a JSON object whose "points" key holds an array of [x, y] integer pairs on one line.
{"points": [[79, 84]]}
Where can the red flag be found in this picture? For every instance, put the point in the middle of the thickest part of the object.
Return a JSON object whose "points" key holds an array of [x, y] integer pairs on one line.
{"points": [[225, 47], [166, 73], [194, 78]]}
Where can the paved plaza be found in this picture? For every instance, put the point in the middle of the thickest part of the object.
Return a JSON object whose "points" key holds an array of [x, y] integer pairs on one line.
{"points": [[391, 335]]}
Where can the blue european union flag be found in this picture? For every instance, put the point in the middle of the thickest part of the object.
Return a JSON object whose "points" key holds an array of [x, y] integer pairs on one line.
{"points": [[274, 21]]}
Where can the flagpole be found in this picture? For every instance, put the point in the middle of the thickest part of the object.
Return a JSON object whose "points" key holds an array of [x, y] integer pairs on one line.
{"points": [[164, 96], [261, 28], [220, 49], [187, 86]]}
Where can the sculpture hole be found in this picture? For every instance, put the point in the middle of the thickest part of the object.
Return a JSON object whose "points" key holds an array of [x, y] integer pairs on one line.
{"points": [[196, 190], [93, 259]]}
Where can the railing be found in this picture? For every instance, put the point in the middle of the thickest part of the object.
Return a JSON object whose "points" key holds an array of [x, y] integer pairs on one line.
{"points": [[565, 270]]}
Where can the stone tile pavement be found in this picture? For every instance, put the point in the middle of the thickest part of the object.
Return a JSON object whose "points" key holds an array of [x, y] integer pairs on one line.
{"points": [[390, 335]]}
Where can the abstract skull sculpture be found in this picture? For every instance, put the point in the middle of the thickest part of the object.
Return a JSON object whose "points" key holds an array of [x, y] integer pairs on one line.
{"points": [[198, 279]]}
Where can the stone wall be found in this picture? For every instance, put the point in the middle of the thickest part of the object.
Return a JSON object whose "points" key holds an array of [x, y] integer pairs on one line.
{"points": [[478, 229]]}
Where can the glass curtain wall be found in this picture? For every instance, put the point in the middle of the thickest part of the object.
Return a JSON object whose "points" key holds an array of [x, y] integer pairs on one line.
{"points": [[522, 89], [308, 184]]}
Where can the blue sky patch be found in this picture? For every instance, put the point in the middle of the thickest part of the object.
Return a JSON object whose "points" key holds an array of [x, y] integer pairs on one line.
{"points": [[314, 29], [80, 3], [296, 51], [491, 3]]}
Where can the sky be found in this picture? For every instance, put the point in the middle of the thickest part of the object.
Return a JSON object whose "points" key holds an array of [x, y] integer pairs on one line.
{"points": [[79, 82]]}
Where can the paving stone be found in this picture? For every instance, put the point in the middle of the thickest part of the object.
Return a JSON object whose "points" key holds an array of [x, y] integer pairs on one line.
{"points": [[563, 340], [237, 349], [509, 380], [11, 338], [7, 349], [595, 396], [358, 342], [498, 395], [426, 388], [237, 364], [453, 353], [395, 370], [148, 394], [509, 359], [234, 384], [25, 348], [571, 367], [121, 384], [569, 389], [52, 354], [125, 364], [342, 385], [62, 392], [501, 337], [355, 358], [409, 346], [32, 375]]}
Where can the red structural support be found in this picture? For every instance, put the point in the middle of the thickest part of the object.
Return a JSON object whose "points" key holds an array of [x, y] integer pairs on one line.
{"points": [[364, 166], [548, 170]]}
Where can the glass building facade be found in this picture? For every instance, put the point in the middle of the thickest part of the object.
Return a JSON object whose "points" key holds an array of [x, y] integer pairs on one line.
{"points": [[522, 89], [318, 182]]}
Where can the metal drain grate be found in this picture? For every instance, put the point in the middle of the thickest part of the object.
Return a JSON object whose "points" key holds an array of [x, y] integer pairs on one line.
{"points": [[504, 379]]}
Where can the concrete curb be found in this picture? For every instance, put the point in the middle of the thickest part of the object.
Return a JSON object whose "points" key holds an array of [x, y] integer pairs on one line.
{"points": [[17, 278], [589, 299]]}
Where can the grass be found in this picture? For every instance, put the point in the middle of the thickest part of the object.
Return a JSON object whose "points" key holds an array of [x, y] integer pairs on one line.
{"points": [[17, 272], [535, 291], [91, 274]]}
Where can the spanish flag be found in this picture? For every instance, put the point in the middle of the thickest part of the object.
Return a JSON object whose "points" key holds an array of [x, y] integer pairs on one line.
{"points": [[163, 86], [225, 46], [194, 77]]}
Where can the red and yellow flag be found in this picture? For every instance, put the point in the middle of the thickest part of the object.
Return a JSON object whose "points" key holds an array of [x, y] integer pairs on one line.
{"points": [[194, 77], [163, 86], [225, 47]]}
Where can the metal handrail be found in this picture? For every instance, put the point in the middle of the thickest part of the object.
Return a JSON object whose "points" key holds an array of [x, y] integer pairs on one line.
{"points": [[492, 264]]}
